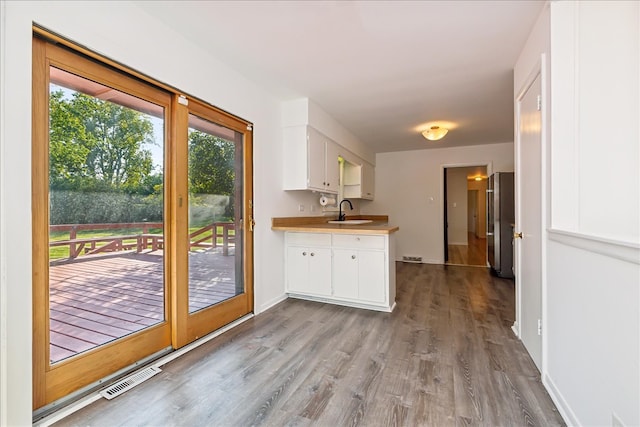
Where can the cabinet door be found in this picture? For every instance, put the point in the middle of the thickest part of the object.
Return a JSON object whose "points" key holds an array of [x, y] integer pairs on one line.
{"points": [[368, 181], [332, 167], [316, 161], [345, 273], [371, 275], [297, 269], [319, 273]]}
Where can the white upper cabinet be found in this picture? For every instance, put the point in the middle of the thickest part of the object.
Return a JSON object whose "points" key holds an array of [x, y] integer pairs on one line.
{"points": [[310, 160], [311, 157], [332, 166], [359, 180], [368, 181]]}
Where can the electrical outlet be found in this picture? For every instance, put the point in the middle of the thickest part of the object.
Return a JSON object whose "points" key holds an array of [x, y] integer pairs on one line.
{"points": [[313, 208], [300, 208]]}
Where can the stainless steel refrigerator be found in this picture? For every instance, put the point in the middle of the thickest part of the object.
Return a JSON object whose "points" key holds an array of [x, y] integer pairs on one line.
{"points": [[500, 220]]}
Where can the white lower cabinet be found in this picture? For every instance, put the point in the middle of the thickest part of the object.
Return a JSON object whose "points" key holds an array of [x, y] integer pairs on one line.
{"points": [[309, 263], [359, 275], [309, 270], [349, 269]]}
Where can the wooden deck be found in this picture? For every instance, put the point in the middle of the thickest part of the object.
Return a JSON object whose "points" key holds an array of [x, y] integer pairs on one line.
{"points": [[97, 299]]}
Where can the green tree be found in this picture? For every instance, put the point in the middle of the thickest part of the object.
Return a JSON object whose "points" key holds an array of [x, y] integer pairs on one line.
{"points": [[67, 155], [97, 145], [211, 167], [211, 164]]}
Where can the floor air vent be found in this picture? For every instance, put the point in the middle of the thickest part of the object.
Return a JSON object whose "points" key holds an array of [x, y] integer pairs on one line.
{"points": [[128, 383]]}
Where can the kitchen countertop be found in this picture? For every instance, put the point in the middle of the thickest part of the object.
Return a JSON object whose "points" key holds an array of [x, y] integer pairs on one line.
{"points": [[379, 225]]}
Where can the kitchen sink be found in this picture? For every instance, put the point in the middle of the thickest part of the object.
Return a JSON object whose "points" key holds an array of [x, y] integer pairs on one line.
{"points": [[351, 221]]}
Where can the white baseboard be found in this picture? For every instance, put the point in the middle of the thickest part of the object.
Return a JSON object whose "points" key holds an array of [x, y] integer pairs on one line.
{"points": [[567, 414], [267, 305], [384, 308], [516, 329]]}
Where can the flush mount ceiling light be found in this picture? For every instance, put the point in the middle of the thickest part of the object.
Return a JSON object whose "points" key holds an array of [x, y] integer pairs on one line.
{"points": [[435, 133]]}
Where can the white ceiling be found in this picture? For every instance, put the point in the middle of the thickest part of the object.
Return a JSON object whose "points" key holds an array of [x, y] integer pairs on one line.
{"points": [[383, 69]]}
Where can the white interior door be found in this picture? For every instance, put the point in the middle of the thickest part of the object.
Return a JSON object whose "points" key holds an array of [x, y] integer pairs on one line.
{"points": [[529, 219]]}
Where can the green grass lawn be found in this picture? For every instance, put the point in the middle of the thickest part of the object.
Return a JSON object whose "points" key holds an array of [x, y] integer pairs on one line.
{"points": [[60, 252]]}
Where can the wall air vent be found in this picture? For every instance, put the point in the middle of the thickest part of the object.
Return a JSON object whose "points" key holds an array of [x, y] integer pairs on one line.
{"points": [[416, 259]]}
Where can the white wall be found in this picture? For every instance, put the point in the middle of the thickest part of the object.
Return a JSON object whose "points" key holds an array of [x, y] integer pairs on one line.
{"points": [[591, 296], [121, 31], [595, 51], [409, 189]]}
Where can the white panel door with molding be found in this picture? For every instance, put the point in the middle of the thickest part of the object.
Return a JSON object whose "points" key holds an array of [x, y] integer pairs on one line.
{"points": [[529, 219]]}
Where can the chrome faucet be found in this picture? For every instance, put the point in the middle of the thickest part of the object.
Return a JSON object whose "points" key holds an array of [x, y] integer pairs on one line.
{"points": [[341, 215]]}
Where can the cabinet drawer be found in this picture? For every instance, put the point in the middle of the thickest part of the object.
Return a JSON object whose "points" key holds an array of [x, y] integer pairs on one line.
{"points": [[358, 241], [308, 239]]}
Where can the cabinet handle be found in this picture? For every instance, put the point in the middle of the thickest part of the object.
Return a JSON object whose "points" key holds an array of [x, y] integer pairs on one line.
{"points": [[312, 254], [304, 254], [353, 257]]}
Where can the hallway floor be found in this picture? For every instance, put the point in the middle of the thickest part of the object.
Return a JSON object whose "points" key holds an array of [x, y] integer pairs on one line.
{"points": [[474, 253]]}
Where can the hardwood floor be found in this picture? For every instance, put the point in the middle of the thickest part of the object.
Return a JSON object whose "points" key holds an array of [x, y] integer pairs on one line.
{"points": [[446, 356], [474, 253]]}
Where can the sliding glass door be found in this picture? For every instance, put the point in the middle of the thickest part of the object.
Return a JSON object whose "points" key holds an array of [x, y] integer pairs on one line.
{"points": [[142, 230], [213, 183]]}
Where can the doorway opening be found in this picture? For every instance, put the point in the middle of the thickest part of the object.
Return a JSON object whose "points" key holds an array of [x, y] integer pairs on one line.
{"points": [[465, 215]]}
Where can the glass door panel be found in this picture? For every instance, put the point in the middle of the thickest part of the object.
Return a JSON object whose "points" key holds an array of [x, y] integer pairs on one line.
{"points": [[215, 176], [100, 300], [106, 222], [214, 231]]}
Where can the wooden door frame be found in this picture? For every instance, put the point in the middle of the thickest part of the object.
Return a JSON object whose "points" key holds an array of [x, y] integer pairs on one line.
{"points": [[52, 382], [48, 384], [188, 327]]}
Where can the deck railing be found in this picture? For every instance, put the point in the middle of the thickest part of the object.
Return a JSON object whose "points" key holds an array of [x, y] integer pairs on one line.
{"points": [[139, 242]]}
